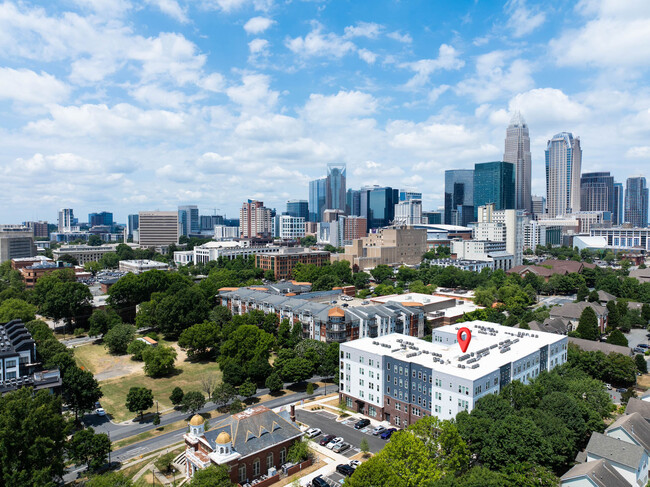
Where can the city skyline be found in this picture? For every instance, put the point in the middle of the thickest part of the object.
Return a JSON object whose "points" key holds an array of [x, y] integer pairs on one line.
{"points": [[161, 102]]}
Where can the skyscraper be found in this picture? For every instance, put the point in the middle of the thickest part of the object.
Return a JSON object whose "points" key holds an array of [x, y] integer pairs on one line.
{"points": [[353, 202], [494, 182], [158, 228], [408, 212], [517, 152], [459, 197], [66, 219], [298, 208], [378, 205], [132, 225], [563, 165], [617, 210], [255, 220], [407, 194], [188, 218], [317, 197], [101, 218], [636, 202], [597, 192], [335, 196], [538, 205]]}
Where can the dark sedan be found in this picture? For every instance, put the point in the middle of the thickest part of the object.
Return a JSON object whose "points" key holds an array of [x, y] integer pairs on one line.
{"points": [[326, 439], [344, 469], [386, 434], [362, 423]]}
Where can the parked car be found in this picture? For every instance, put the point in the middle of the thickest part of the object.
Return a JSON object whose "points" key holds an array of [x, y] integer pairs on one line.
{"points": [[341, 447], [97, 405], [100, 412], [362, 423], [313, 432], [609, 387], [386, 434], [642, 345], [365, 302], [354, 463], [621, 390], [344, 469], [326, 439], [319, 482], [377, 430], [336, 441], [639, 350]]}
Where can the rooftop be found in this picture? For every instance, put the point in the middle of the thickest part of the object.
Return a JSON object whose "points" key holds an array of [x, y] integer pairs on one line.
{"points": [[491, 346], [615, 450], [601, 473]]}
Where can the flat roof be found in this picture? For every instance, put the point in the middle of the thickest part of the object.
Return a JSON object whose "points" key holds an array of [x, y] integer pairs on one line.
{"points": [[419, 298], [487, 337]]}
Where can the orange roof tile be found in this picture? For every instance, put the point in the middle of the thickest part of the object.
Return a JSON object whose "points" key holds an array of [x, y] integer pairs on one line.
{"points": [[338, 312], [259, 288], [411, 303], [228, 289]]}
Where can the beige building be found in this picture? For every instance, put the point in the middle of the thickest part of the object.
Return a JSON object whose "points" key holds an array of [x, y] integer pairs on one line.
{"points": [[83, 253], [255, 220], [390, 246], [16, 241], [158, 228]]}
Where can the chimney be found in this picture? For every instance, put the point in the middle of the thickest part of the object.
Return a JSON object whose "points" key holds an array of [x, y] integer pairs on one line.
{"points": [[292, 414]]}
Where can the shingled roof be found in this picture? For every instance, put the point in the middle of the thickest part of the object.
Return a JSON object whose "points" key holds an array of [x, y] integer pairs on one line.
{"points": [[600, 472], [635, 426], [615, 450], [636, 405]]}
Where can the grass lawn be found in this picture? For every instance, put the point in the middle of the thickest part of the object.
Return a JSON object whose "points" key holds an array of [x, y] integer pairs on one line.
{"points": [[187, 377]]}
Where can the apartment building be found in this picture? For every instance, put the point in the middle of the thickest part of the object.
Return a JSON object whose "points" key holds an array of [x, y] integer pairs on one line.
{"points": [[399, 379], [283, 262]]}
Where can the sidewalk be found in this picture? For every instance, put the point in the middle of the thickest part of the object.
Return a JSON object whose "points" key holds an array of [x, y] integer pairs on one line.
{"points": [[351, 415]]}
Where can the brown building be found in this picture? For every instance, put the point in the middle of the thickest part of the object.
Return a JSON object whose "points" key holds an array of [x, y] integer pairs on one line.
{"points": [[282, 263], [32, 273], [251, 444], [551, 267], [255, 220], [356, 227], [17, 264], [40, 229], [390, 246]]}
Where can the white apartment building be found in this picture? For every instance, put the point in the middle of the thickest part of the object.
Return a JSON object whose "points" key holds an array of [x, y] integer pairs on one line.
{"points": [[534, 235], [222, 232], [408, 212], [291, 227], [140, 266], [230, 250], [485, 250], [502, 226], [398, 379]]}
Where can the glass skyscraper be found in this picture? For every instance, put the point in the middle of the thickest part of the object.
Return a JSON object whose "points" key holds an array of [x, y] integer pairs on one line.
{"points": [[617, 211], [636, 202], [317, 197], [298, 208], [407, 195], [494, 182], [563, 165], [597, 192], [517, 152], [335, 196], [459, 197], [188, 219], [378, 205], [353, 202]]}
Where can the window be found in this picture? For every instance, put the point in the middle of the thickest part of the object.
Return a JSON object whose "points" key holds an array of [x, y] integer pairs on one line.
{"points": [[10, 363], [387, 377], [360, 393], [395, 369], [419, 375], [348, 402], [256, 467], [361, 382], [372, 411], [388, 390], [401, 370], [414, 374], [370, 362], [398, 406], [387, 365], [371, 397], [362, 371], [283, 456], [10, 375], [269, 460], [242, 474], [397, 420], [413, 398], [361, 359]]}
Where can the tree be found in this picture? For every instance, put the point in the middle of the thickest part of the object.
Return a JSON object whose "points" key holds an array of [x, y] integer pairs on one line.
{"points": [[136, 348], [93, 267], [165, 463], [269, 275], [223, 394], [17, 309], [213, 476], [80, 390], [33, 438], [67, 300], [208, 383], [139, 399], [156, 419], [118, 338], [236, 406], [364, 447], [298, 452], [274, 383], [381, 273], [112, 479], [176, 397], [588, 324], [617, 338], [159, 360], [180, 310], [645, 312], [593, 296], [193, 401], [109, 260], [103, 320], [613, 318], [641, 363], [200, 339], [376, 472], [247, 389], [89, 448], [583, 292], [69, 259], [297, 370], [310, 388]]}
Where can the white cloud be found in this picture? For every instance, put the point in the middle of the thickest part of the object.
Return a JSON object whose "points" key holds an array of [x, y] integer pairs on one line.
{"points": [[639, 152], [257, 25], [232, 5], [368, 56], [157, 97], [399, 37], [318, 44], [522, 20], [27, 86], [447, 59], [548, 106], [212, 82], [494, 78], [171, 8], [345, 104], [66, 162], [364, 29], [254, 93], [256, 46]]}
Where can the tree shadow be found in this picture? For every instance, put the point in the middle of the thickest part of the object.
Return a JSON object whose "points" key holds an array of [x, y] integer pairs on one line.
{"points": [[251, 400], [279, 393]]}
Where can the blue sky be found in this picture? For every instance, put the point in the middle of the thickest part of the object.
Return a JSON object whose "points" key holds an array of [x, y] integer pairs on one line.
{"points": [[129, 106]]}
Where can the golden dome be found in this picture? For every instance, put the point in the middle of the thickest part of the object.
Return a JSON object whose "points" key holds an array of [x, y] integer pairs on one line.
{"points": [[223, 438], [197, 420]]}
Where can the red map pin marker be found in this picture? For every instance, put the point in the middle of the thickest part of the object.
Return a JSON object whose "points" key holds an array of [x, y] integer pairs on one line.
{"points": [[464, 342]]}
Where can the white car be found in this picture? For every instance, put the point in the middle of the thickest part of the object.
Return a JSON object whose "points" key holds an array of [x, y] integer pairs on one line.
{"points": [[377, 430], [313, 432], [100, 412], [336, 441], [355, 463], [609, 387]]}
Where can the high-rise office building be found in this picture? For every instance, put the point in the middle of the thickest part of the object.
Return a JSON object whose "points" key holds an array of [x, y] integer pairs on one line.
{"points": [[517, 152], [378, 205], [132, 225], [537, 205], [597, 192], [101, 218], [619, 205], [459, 197], [355, 227], [494, 182], [406, 195], [298, 208], [408, 212], [40, 228], [353, 202], [207, 222], [432, 217], [563, 165], [255, 220], [16, 241], [636, 202], [317, 198], [336, 196], [188, 219], [158, 228], [66, 219]]}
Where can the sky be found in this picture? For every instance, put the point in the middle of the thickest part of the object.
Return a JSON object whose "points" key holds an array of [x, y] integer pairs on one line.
{"points": [[128, 106]]}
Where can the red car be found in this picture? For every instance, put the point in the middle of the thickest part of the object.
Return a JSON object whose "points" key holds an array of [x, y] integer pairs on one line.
{"points": [[326, 439]]}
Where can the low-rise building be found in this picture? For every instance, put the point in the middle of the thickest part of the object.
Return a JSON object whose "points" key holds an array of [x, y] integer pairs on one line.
{"points": [[571, 312], [483, 250], [250, 444], [17, 264], [598, 473], [83, 253], [230, 250], [624, 238], [283, 262], [628, 459], [32, 273], [399, 379], [140, 266], [551, 267]]}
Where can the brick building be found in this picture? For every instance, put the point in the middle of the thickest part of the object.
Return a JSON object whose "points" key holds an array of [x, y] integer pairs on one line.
{"points": [[283, 262], [252, 443]]}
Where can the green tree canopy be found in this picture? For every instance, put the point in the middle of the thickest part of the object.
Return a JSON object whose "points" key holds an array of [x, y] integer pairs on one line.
{"points": [[139, 399], [617, 338], [89, 449], [201, 339], [193, 401], [16, 309], [213, 476], [118, 338], [588, 325], [159, 360], [80, 390]]}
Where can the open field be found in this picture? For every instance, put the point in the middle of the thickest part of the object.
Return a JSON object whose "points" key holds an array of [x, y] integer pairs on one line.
{"points": [[96, 359]]}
